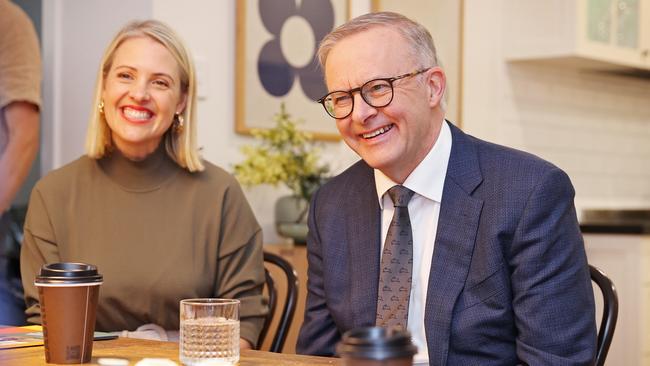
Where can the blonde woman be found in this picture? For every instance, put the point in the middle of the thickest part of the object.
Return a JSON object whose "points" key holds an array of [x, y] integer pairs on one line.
{"points": [[160, 223]]}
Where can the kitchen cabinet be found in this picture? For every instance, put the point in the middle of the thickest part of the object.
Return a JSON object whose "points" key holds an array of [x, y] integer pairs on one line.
{"points": [[625, 259], [589, 34]]}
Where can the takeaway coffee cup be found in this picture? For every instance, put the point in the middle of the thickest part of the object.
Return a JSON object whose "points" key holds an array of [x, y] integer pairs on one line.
{"points": [[376, 346], [68, 295]]}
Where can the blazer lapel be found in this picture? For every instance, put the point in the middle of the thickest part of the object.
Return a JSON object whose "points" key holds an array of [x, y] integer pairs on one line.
{"points": [[456, 233], [363, 238]]}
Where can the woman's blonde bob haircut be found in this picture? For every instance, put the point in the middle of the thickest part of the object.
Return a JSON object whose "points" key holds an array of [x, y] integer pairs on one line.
{"points": [[181, 147]]}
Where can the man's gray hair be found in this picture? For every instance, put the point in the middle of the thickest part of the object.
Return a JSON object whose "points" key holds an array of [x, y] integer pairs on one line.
{"points": [[422, 49]]}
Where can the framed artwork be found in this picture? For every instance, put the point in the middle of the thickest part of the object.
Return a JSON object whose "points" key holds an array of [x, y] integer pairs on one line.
{"points": [[276, 62]]}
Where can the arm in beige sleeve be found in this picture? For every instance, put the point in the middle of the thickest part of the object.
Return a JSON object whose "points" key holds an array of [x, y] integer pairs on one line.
{"points": [[241, 264], [22, 126], [242, 278], [39, 247]]}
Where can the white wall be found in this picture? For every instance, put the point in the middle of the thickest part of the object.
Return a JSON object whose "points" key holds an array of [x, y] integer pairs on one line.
{"points": [[594, 126]]}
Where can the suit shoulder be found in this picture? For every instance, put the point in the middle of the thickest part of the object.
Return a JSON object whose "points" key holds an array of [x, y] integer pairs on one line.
{"points": [[498, 167], [514, 170], [495, 157]]}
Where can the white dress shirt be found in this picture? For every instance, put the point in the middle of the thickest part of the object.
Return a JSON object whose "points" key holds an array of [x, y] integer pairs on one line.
{"points": [[427, 181]]}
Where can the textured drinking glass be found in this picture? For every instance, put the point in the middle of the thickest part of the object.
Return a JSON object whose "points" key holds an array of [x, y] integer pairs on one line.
{"points": [[209, 332]]}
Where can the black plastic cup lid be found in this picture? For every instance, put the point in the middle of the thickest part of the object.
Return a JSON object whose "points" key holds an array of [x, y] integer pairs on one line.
{"points": [[68, 273], [376, 343]]}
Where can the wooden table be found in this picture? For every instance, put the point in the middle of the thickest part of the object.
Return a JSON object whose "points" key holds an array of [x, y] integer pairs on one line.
{"points": [[136, 349]]}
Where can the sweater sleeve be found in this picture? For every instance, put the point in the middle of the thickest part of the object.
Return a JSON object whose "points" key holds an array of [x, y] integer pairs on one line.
{"points": [[20, 68], [39, 247], [241, 266]]}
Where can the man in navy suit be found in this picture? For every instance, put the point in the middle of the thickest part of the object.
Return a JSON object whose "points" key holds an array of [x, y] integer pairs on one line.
{"points": [[499, 272]]}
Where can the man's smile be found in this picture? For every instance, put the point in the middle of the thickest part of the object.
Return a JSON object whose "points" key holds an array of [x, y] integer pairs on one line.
{"points": [[377, 132]]}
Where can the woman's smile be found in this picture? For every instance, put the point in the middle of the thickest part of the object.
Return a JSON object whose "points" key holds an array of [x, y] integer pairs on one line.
{"points": [[137, 114]]}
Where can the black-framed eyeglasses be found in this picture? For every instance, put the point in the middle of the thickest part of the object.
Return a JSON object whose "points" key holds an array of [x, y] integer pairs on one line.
{"points": [[377, 93]]}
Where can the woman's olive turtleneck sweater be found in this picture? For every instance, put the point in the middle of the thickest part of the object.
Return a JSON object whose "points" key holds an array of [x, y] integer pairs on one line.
{"points": [[156, 232]]}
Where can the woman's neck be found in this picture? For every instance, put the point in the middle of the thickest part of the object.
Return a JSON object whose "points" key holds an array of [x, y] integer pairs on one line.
{"points": [[139, 151], [140, 175]]}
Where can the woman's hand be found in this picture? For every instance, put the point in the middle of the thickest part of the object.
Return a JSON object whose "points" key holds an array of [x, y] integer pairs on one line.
{"points": [[244, 344]]}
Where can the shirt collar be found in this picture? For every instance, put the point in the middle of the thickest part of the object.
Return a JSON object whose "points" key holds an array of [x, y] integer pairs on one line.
{"points": [[428, 178]]}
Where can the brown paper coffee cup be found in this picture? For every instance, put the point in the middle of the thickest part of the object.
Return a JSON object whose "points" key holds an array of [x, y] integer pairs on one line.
{"points": [[68, 294]]}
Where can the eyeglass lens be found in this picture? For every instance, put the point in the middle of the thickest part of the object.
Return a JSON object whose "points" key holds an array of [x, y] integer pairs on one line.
{"points": [[377, 93]]}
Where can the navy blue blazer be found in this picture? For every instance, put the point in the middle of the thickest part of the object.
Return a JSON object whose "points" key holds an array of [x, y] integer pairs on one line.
{"points": [[509, 280]]}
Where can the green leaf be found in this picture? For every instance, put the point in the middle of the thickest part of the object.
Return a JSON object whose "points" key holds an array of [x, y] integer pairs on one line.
{"points": [[284, 155]]}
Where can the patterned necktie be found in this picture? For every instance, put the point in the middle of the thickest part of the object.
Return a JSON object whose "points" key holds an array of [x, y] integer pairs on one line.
{"points": [[396, 264]]}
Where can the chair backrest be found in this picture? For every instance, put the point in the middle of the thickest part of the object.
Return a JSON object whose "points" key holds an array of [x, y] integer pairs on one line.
{"points": [[610, 313], [290, 301]]}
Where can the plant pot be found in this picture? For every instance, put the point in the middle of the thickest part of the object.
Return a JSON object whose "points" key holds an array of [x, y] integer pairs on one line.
{"points": [[291, 218]]}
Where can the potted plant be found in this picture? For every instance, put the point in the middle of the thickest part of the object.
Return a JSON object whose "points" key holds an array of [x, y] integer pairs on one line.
{"points": [[285, 155]]}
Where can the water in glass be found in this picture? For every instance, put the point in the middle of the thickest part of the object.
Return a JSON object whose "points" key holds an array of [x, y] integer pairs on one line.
{"points": [[209, 341]]}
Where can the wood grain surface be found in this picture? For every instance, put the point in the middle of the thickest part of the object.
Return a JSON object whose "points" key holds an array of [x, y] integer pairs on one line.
{"points": [[135, 350]]}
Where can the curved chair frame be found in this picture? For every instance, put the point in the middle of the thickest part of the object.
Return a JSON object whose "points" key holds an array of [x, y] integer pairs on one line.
{"points": [[290, 302], [610, 313]]}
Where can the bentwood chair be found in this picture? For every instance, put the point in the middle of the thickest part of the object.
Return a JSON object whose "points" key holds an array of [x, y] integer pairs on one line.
{"points": [[285, 317], [610, 313]]}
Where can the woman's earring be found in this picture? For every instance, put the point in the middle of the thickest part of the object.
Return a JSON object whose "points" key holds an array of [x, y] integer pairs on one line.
{"points": [[101, 106], [179, 123]]}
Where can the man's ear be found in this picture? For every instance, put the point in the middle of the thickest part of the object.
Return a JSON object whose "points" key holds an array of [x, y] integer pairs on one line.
{"points": [[437, 83]]}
